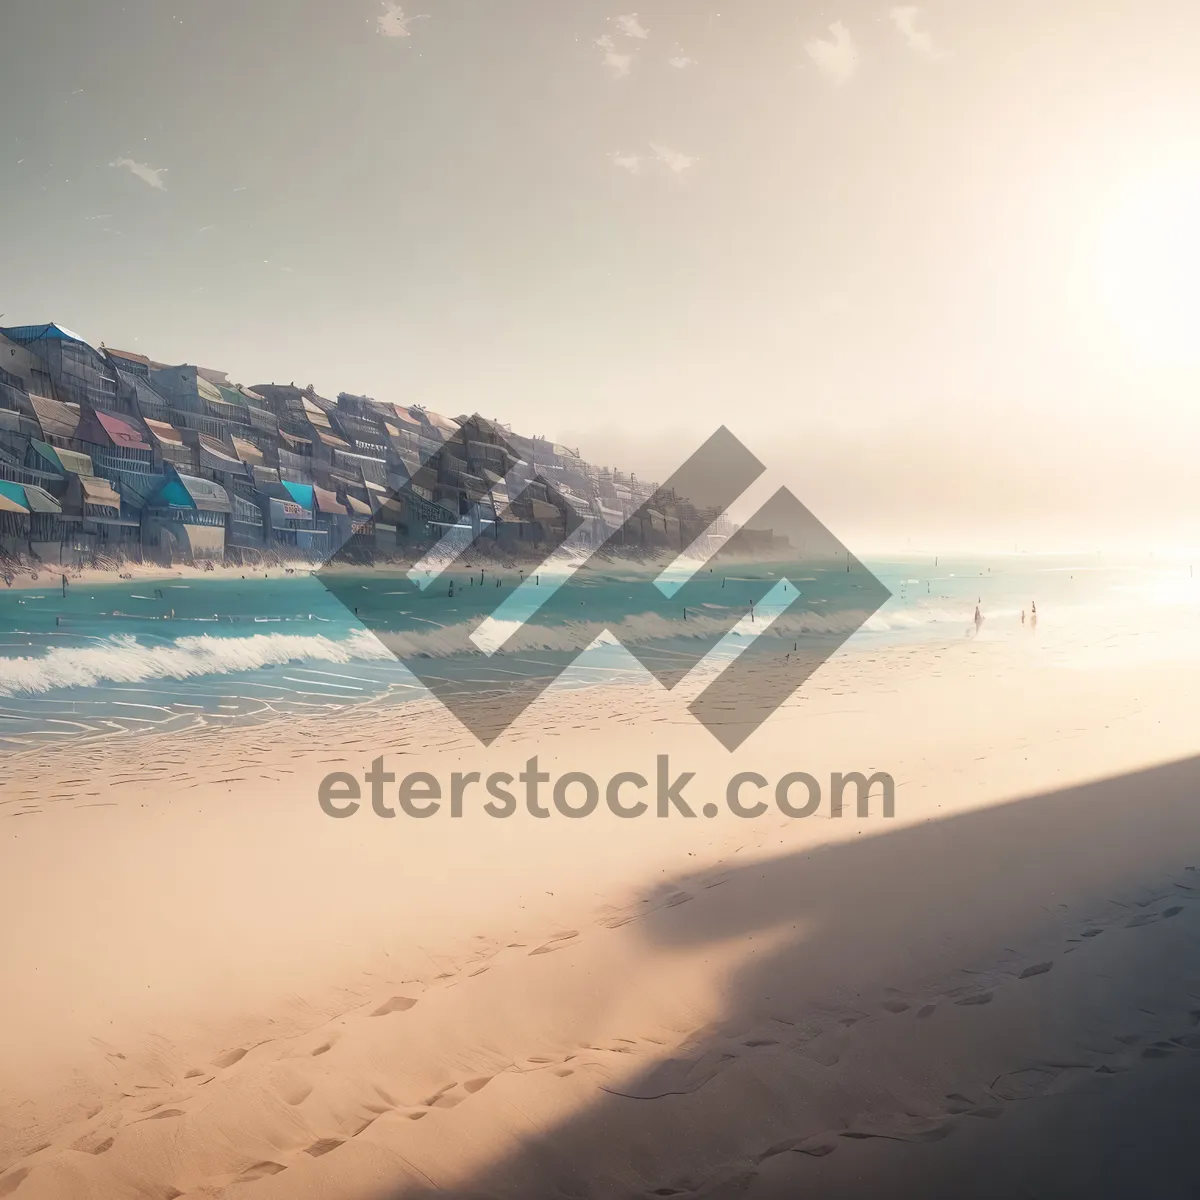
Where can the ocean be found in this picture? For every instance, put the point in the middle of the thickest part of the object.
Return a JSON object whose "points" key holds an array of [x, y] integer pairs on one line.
{"points": [[129, 657]]}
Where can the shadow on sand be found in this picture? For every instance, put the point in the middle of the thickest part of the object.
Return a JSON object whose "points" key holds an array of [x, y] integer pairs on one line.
{"points": [[1002, 1003]]}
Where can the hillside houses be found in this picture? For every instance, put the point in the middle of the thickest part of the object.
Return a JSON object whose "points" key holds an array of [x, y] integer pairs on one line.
{"points": [[105, 451]]}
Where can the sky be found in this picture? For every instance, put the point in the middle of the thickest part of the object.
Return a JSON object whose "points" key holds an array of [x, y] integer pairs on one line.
{"points": [[936, 264]]}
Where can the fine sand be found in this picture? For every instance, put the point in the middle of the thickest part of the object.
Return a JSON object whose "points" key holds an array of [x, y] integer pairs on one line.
{"points": [[211, 988], [51, 574]]}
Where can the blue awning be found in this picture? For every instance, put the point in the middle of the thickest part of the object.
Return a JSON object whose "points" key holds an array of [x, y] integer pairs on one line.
{"points": [[22, 335], [302, 493]]}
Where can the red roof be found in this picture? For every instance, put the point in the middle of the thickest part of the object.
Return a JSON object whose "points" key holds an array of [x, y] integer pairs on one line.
{"points": [[121, 432], [128, 354]]}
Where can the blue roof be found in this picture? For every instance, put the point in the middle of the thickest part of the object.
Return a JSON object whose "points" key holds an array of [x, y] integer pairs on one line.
{"points": [[24, 334], [302, 493], [174, 495]]}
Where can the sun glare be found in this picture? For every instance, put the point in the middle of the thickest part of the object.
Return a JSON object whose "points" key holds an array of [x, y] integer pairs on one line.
{"points": [[1150, 266]]}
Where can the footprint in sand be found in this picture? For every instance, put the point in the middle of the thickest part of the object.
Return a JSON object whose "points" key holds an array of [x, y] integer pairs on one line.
{"points": [[93, 1143], [895, 1006], [1023, 1085], [1037, 969], [323, 1146], [926, 1010], [1173, 911], [231, 1056], [395, 1004], [936, 1134], [9, 1183], [477, 1085], [323, 1048], [260, 1171], [981, 998], [555, 943], [444, 1097]]}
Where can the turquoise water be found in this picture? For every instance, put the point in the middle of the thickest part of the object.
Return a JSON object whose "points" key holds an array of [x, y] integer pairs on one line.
{"points": [[138, 655]]}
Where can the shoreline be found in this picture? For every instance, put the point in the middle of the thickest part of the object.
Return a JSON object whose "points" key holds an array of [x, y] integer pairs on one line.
{"points": [[52, 576]]}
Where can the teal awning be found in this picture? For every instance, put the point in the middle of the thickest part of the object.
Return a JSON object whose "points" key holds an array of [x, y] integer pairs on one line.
{"points": [[302, 493], [186, 491], [49, 454], [30, 496], [12, 497]]}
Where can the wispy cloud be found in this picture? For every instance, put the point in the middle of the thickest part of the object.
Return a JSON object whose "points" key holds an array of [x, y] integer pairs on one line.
{"points": [[631, 27], [904, 17], [680, 62], [627, 162], [151, 175], [616, 62], [673, 160], [393, 23], [836, 57]]}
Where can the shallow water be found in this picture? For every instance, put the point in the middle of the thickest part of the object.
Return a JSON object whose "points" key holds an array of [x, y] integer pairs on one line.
{"points": [[138, 655]]}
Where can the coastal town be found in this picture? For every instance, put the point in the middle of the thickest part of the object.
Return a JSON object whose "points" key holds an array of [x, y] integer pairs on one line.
{"points": [[108, 457]]}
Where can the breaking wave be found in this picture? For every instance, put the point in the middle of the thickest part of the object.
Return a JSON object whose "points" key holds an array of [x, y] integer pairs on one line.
{"points": [[122, 659]]}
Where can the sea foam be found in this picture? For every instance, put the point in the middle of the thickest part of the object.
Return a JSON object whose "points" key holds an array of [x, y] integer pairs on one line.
{"points": [[123, 659]]}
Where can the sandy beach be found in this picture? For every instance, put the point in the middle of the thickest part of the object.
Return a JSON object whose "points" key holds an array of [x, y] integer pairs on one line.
{"points": [[217, 989], [51, 574]]}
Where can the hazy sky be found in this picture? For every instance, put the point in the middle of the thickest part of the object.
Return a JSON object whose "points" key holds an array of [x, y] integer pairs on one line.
{"points": [[939, 263]]}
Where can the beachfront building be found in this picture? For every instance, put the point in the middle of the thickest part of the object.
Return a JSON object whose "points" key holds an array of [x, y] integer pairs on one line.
{"points": [[128, 362], [288, 524], [30, 513], [182, 463], [67, 367], [23, 370], [185, 518]]}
